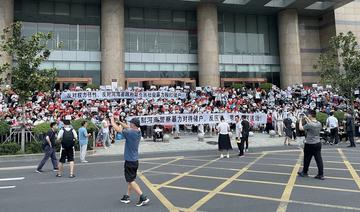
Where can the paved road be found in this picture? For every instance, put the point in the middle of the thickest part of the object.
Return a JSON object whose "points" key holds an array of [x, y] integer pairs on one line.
{"points": [[264, 180]]}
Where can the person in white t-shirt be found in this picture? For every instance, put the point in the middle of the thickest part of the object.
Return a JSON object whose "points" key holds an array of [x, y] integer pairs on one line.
{"points": [[224, 143], [333, 124], [238, 131]]}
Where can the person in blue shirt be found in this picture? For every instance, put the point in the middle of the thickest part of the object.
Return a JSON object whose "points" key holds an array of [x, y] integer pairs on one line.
{"points": [[83, 140], [132, 135]]}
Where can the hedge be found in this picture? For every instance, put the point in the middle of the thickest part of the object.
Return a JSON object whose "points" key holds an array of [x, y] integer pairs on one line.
{"points": [[41, 129], [4, 127], [34, 147], [266, 86], [321, 117], [9, 148]]}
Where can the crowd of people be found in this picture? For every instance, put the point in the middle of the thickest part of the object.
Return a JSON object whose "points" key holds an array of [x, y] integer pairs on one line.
{"points": [[278, 104]]}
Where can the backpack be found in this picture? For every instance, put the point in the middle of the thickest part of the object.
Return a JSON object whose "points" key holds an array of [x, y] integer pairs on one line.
{"points": [[68, 139]]}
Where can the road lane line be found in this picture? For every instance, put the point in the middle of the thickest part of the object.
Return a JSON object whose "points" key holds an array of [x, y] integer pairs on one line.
{"points": [[158, 194], [164, 164], [185, 174], [7, 187], [351, 169], [289, 187], [11, 179], [211, 194]]}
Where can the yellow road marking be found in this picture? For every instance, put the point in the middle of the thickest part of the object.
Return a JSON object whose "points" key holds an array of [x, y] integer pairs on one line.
{"points": [[184, 174], [158, 194], [326, 188], [164, 164], [289, 187], [264, 198], [211, 194], [351, 169]]}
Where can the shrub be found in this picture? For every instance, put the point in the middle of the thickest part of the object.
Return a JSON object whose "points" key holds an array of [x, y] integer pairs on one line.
{"points": [[4, 127], [34, 147], [238, 85], [321, 117], [266, 86], [77, 124], [9, 148], [41, 129]]}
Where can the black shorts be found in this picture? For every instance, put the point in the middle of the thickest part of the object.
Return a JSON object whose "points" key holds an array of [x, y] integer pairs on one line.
{"points": [[66, 153], [130, 170]]}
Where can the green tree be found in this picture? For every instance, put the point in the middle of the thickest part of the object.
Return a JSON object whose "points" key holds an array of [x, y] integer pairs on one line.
{"points": [[29, 53], [340, 65]]}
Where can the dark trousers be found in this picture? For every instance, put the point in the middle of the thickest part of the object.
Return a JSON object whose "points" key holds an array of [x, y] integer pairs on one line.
{"points": [[49, 153], [246, 140], [268, 127], [334, 133], [311, 150], [241, 146], [350, 135]]}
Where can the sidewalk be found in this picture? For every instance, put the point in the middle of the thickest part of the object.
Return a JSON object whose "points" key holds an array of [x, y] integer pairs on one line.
{"points": [[190, 143]]}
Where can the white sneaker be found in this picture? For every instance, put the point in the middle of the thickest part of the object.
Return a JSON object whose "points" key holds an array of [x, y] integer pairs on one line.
{"points": [[84, 161], [105, 147], [221, 156], [246, 150], [228, 156]]}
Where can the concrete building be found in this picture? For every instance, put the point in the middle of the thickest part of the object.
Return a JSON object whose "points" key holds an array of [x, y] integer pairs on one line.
{"points": [[184, 42]]}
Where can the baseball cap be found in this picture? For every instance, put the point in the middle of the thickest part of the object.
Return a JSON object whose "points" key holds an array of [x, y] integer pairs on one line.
{"points": [[135, 121]]}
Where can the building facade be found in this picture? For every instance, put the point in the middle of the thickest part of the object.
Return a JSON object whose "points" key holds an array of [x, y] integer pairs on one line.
{"points": [[184, 42]]}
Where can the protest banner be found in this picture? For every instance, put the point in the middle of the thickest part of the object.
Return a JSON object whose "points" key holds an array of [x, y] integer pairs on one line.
{"points": [[110, 95], [197, 118]]}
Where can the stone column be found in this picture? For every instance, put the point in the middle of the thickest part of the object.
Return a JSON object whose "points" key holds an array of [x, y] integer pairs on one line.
{"points": [[289, 48], [208, 48], [112, 42], [6, 19]]}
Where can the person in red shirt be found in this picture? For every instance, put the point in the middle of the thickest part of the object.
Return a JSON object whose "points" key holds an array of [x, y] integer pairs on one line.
{"points": [[269, 121]]}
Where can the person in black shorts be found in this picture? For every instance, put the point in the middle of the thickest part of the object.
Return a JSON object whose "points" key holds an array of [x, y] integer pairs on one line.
{"points": [[67, 136], [132, 136]]}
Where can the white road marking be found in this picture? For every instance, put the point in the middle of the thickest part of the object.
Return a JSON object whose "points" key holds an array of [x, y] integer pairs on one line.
{"points": [[7, 187], [11, 179]]}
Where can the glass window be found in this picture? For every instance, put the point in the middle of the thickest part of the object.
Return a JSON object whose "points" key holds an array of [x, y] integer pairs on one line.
{"points": [[77, 66], [77, 10], [275, 68], [192, 67], [46, 28], [191, 19], [92, 66], [242, 68], [151, 16], [28, 29], [252, 36], [82, 38], [29, 7], [181, 43], [222, 68], [151, 67], [136, 67], [46, 8], [229, 36], [127, 66], [164, 18], [46, 65], [166, 67], [263, 29], [240, 36], [62, 36], [265, 68], [92, 38], [180, 67], [230, 68], [165, 40], [273, 36], [136, 14], [150, 41], [92, 11], [179, 17], [73, 37], [62, 9], [253, 68], [61, 65]]}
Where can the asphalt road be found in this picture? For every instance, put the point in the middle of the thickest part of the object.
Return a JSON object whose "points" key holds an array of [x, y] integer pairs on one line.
{"points": [[264, 180]]}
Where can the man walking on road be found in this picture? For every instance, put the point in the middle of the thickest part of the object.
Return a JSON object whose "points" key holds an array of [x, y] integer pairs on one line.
{"points": [[67, 135], [49, 149], [245, 132], [83, 141], [350, 129], [238, 137], [333, 124], [132, 136], [312, 145]]}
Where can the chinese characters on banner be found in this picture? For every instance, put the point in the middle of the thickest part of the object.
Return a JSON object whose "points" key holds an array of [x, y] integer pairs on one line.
{"points": [[101, 95], [198, 118]]}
